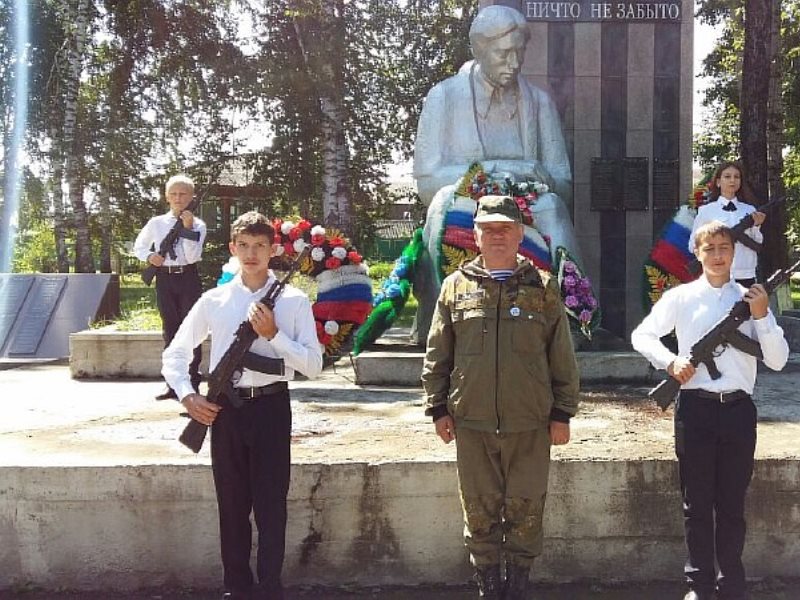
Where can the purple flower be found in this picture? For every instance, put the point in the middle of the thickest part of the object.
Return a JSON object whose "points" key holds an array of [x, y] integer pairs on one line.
{"points": [[585, 285], [569, 266], [570, 281], [571, 301], [591, 302], [585, 316]]}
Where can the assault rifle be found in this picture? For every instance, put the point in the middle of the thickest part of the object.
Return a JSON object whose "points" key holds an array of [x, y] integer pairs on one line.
{"points": [[724, 333], [739, 235], [167, 245], [237, 357]]}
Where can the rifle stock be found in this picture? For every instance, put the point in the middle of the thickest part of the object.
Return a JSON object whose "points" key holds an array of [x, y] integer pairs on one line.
{"points": [[665, 392], [219, 381]]}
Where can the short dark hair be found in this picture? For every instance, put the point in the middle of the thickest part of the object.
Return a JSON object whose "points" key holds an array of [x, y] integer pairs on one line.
{"points": [[711, 229], [253, 223]]}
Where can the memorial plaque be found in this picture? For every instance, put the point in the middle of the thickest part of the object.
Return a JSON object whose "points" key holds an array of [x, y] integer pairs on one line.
{"points": [[635, 183], [13, 290], [34, 321], [666, 184], [606, 184]]}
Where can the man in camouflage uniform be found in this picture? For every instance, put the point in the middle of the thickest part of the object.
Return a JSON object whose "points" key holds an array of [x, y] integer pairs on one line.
{"points": [[501, 379]]}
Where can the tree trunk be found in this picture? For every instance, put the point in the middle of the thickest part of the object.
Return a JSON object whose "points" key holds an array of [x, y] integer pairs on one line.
{"points": [[755, 94], [774, 227], [319, 34], [59, 218], [84, 263], [106, 236]]}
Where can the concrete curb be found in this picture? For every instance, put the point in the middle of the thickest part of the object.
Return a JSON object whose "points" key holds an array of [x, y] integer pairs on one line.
{"points": [[134, 526]]}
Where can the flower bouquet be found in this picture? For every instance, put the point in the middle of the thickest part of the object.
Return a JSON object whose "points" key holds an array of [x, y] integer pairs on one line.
{"points": [[576, 290]]}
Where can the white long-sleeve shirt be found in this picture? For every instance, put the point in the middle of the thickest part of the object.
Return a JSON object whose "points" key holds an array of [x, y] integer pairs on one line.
{"points": [[187, 251], [744, 259], [220, 311], [691, 310]]}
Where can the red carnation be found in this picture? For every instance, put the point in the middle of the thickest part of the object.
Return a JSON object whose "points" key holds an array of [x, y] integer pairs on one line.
{"points": [[318, 239], [354, 257], [295, 233], [337, 241], [277, 239], [304, 225], [332, 262], [288, 248], [276, 224], [325, 339]]}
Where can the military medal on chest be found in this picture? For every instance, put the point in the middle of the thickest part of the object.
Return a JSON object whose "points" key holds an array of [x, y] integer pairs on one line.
{"points": [[514, 310]]}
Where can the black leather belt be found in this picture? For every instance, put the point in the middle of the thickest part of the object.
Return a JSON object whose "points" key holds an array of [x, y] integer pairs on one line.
{"points": [[173, 270], [721, 396], [250, 393]]}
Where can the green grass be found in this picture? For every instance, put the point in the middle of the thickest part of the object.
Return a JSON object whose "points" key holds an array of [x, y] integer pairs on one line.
{"points": [[137, 304]]}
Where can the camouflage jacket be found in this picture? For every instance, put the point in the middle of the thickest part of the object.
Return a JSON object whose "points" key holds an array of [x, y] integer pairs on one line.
{"points": [[500, 354]]}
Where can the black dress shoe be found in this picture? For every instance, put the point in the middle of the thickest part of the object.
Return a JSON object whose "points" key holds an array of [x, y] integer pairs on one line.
{"points": [[167, 394], [694, 595]]}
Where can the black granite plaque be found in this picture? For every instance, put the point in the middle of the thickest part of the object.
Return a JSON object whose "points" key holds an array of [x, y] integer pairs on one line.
{"points": [[606, 184], [13, 290], [635, 183], [34, 321], [666, 192]]}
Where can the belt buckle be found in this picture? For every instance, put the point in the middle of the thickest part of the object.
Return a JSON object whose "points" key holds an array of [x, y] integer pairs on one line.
{"points": [[246, 393]]}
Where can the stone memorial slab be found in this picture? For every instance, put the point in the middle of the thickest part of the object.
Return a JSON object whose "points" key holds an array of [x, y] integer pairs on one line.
{"points": [[606, 184], [40, 311], [635, 183], [12, 294], [36, 315], [666, 181]]}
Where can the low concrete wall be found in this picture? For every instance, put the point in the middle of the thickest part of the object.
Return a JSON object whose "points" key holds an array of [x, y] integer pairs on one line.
{"points": [[135, 526], [405, 368], [106, 352]]}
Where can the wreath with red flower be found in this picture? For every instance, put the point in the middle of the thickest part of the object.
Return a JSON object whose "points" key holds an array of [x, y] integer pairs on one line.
{"points": [[344, 288]]}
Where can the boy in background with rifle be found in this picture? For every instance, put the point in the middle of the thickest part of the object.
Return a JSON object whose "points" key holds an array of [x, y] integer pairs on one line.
{"points": [[715, 418], [250, 434], [177, 237]]}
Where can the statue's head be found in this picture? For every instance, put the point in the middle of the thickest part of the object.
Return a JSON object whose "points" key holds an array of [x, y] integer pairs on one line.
{"points": [[498, 36]]}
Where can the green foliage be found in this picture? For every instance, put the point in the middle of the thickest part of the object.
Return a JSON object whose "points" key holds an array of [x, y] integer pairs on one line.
{"points": [[168, 86], [719, 138], [35, 250], [137, 303], [379, 271]]}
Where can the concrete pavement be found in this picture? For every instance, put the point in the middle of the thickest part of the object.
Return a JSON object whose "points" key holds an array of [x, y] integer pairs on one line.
{"points": [[96, 493]]}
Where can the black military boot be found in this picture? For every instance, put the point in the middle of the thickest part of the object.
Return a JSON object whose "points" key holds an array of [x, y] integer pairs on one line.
{"points": [[516, 584], [489, 584]]}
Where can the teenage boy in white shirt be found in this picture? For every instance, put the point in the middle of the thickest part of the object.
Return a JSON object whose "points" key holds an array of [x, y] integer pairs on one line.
{"points": [[250, 454], [177, 281], [715, 419]]}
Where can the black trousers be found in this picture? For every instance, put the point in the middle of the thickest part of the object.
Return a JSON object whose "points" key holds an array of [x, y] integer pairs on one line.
{"points": [[176, 293], [715, 443], [250, 458]]}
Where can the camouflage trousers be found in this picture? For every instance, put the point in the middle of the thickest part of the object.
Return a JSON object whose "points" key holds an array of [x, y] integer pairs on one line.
{"points": [[502, 480]]}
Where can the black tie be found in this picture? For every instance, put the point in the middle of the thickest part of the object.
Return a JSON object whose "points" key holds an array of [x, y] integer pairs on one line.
{"points": [[730, 207]]}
